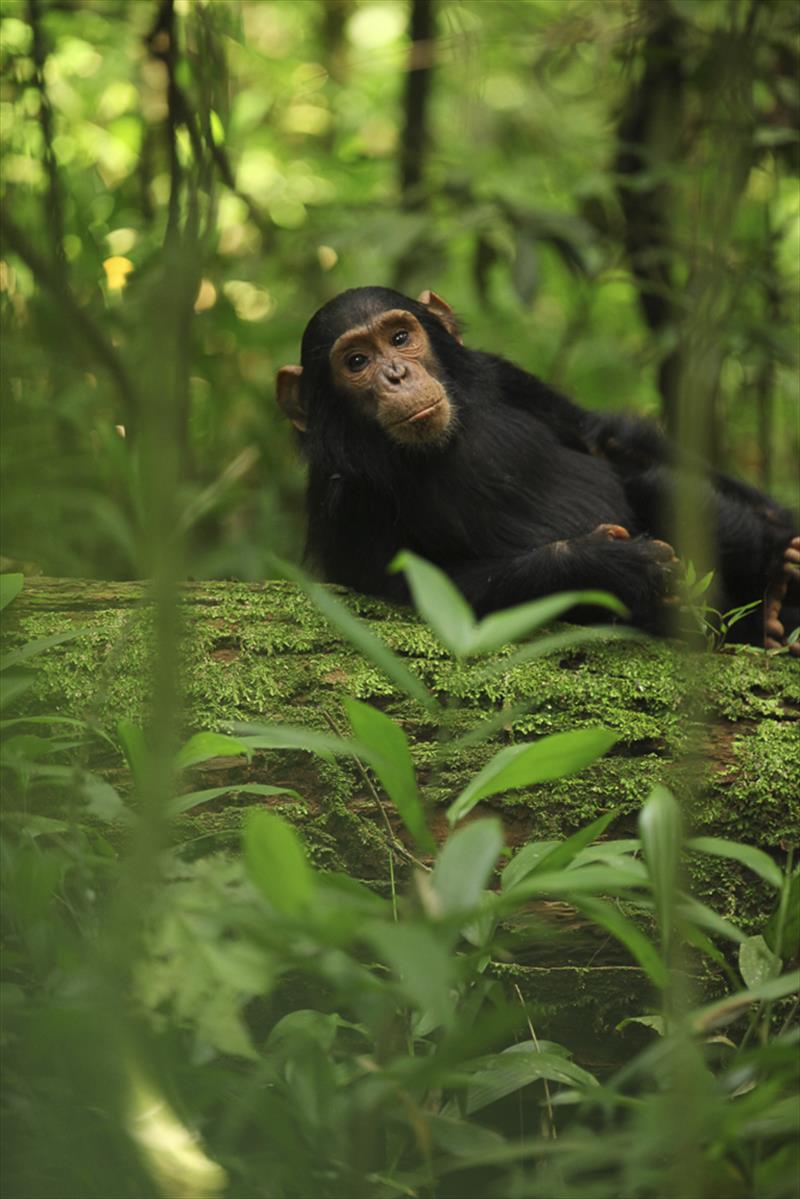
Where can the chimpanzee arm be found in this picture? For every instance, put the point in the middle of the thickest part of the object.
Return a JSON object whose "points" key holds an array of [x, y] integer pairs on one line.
{"points": [[637, 571], [632, 443]]}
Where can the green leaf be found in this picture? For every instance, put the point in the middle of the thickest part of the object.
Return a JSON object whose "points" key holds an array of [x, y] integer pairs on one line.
{"points": [[695, 936], [357, 633], [14, 685], [501, 628], [592, 880], [754, 859], [32, 648], [552, 855], [438, 601], [276, 863], [782, 930], [305, 1025], [134, 746], [53, 721], [565, 852], [722, 1011], [692, 909], [517, 1067], [391, 761], [524, 862], [10, 587], [444, 608], [31, 879], [656, 1023], [634, 940], [660, 829], [203, 746], [290, 736], [757, 963], [533, 762], [104, 801], [457, 1138], [34, 826], [552, 643], [192, 799], [27, 747], [423, 964], [465, 865]]}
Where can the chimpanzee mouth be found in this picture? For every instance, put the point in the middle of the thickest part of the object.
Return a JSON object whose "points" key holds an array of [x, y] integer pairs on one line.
{"points": [[420, 414]]}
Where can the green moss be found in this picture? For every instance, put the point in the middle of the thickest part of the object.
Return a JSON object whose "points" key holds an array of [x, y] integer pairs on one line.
{"points": [[263, 654]]}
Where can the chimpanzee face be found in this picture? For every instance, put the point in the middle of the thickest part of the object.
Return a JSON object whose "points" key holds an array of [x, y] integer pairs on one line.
{"points": [[384, 368]]}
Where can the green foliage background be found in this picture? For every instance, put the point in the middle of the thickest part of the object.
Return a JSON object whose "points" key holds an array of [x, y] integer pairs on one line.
{"points": [[607, 193], [299, 122]]}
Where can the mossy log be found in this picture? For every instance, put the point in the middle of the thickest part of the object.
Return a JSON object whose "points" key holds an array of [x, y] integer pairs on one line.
{"points": [[722, 730]]}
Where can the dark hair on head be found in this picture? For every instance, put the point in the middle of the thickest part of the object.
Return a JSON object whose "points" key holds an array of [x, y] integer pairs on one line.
{"points": [[353, 307]]}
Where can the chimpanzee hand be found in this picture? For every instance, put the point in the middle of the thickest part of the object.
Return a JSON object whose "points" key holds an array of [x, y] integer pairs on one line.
{"points": [[640, 571], [782, 598]]}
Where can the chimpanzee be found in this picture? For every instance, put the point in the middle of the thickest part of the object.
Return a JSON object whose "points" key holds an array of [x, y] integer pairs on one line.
{"points": [[415, 442]]}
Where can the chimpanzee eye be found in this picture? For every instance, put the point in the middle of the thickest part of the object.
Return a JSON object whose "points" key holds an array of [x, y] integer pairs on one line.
{"points": [[356, 362], [400, 337]]}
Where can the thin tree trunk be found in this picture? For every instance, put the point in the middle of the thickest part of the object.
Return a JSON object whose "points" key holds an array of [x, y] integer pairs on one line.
{"points": [[647, 136], [419, 76]]}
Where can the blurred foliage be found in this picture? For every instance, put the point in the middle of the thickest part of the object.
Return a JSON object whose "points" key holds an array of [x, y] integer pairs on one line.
{"points": [[294, 118], [181, 1025], [183, 184]]}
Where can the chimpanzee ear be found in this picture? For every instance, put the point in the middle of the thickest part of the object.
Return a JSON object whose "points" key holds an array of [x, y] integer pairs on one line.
{"points": [[442, 311], [287, 392]]}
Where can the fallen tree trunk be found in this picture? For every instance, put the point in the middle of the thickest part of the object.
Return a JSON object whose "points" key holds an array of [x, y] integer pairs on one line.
{"points": [[263, 653]]}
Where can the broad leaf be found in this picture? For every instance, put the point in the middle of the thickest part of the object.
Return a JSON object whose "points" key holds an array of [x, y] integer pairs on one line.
{"points": [[104, 801], [656, 1023], [291, 736], [14, 685], [52, 721], [135, 749], [552, 643], [204, 746], [565, 852], [276, 863], [501, 628], [634, 940], [524, 862], [391, 761], [465, 865], [10, 587], [533, 762], [722, 1011], [439, 602], [32, 648], [587, 880], [660, 829], [754, 859], [357, 632], [423, 965], [757, 963], [192, 799], [704, 916], [517, 1067]]}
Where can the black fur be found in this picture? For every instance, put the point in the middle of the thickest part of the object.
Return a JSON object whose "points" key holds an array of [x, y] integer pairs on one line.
{"points": [[509, 504]]}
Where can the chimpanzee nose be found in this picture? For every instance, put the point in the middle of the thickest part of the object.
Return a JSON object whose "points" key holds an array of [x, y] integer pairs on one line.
{"points": [[394, 372]]}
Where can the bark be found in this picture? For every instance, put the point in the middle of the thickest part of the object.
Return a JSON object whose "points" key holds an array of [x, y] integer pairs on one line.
{"points": [[648, 137], [261, 652], [417, 91]]}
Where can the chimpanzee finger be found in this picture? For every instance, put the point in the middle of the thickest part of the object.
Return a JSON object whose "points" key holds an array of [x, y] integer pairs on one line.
{"points": [[612, 532], [664, 551]]}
